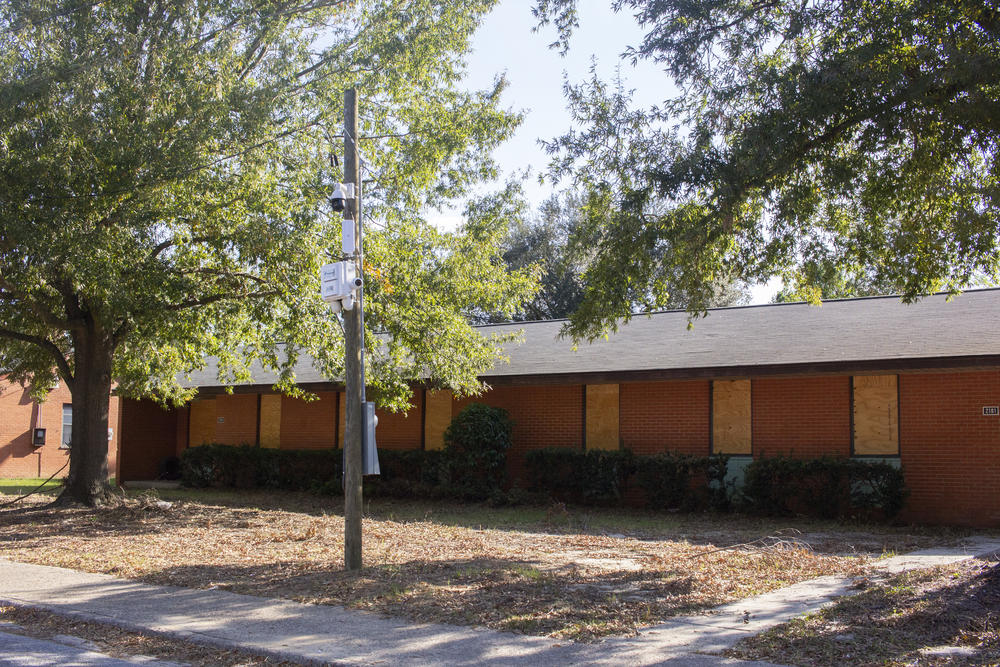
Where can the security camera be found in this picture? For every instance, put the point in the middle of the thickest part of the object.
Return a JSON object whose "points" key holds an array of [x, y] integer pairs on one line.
{"points": [[358, 282], [341, 193]]}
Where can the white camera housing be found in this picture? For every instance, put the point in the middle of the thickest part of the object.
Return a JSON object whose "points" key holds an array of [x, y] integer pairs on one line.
{"points": [[341, 193]]}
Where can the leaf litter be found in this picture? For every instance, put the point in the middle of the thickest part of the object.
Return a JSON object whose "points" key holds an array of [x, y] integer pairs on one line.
{"points": [[539, 576]]}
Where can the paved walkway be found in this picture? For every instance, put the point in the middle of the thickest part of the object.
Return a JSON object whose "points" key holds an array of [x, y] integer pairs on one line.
{"points": [[316, 634]]}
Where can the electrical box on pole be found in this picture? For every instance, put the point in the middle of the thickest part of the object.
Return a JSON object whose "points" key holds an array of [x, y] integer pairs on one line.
{"points": [[339, 283], [370, 456]]}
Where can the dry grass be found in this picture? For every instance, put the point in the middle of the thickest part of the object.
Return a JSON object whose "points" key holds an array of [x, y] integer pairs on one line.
{"points": [[946, 615], [556, 572], [123, 644]]}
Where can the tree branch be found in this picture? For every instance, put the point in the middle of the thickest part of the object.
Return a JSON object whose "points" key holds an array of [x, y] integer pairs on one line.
{"points": [[205, 301], [220, 273], [42, 313], [64, 370], [174, 241]]}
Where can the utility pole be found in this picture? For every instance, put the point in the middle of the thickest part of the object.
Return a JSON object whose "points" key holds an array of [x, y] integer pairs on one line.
{"points": [[353, 346]]}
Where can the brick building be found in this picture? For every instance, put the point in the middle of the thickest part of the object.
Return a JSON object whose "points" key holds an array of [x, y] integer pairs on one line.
{"points": [[915, 385], [21, 454]]}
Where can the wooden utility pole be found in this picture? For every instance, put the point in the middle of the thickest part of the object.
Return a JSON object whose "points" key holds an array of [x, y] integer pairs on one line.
{"points": [[353, 345]]}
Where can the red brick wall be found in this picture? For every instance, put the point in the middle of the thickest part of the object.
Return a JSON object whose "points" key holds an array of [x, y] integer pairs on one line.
{"points": [[238, 415], [543, 416], [19, 415], [309, 425], [950, 452], [400, 430], [181, 426], [803, 416], [657, 417], [149, 435]]}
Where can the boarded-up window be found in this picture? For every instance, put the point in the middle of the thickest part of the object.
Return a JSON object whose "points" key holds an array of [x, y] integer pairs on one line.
{"points": [[202, 422], [602, 416], [876, 415], [270, 421], [731, 425], [437, 417]]}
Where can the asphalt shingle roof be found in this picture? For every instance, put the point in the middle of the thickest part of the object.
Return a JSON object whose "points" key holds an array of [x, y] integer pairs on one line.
{"points": [[839, 332], [867, 329]]}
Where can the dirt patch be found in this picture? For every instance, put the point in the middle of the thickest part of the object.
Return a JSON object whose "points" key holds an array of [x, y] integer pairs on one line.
{"points": [[123, 644], [512, 570], [946, 615]]}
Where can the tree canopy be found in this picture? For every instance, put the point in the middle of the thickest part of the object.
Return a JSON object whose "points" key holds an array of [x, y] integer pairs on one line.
{"points": [[550, 242], [858, 135], [164, 168]]}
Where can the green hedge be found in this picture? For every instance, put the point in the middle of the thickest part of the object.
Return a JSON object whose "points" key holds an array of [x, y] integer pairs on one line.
{"points": [[572, 475], [685, 482], [411, 474], [831, 488], [247, 467], [827, 487], [474, 464]]}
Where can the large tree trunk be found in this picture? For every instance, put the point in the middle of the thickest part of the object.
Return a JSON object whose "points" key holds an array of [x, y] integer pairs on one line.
{"points": [[88, 457]]}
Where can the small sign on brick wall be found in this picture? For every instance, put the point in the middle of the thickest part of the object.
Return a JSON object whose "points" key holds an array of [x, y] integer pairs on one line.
{"points": [[991, 410]]}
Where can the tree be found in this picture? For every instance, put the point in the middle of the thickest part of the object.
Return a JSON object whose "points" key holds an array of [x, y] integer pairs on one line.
{"points": [[163, 172], [826, 280], [862, 134], [551, 243], [539, 243]]}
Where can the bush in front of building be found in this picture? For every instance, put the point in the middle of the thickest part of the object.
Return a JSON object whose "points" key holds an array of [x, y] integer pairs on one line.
{"points": [[674, 481], [413, 473], [827, 487], [246, 466], [595, 477], [475, 451]]}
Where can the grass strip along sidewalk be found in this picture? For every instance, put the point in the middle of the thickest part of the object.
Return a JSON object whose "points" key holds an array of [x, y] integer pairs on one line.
{"points": [[124, 644], [943, 615]]}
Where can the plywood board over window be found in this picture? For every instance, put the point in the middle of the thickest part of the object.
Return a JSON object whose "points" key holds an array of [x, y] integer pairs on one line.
{"points": [[602, 416], [876, 415], [437, 417], [731, 417], [202, 429], [270, 421]]}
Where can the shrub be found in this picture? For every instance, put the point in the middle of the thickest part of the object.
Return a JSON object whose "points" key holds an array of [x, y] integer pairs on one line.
{"points": [[681, 481], [594, 477], [827, 487], [476, 444], [245, 466], [410, 474]]}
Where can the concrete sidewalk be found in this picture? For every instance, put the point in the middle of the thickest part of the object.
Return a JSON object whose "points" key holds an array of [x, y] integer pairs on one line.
{"points": [[20, 651], [325, 634]]}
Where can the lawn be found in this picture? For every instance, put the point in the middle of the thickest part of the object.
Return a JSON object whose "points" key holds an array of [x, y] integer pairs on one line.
{"points": [[19, 487], [564, 572], [946, 615]]}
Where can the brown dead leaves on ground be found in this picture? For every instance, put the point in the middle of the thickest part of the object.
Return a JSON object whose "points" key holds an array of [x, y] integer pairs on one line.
{"points": [[945, 615], [521, 574], [126, 644]]}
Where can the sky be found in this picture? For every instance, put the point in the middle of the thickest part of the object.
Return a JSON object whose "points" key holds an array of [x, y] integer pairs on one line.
{"points": [[505, 44]]}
